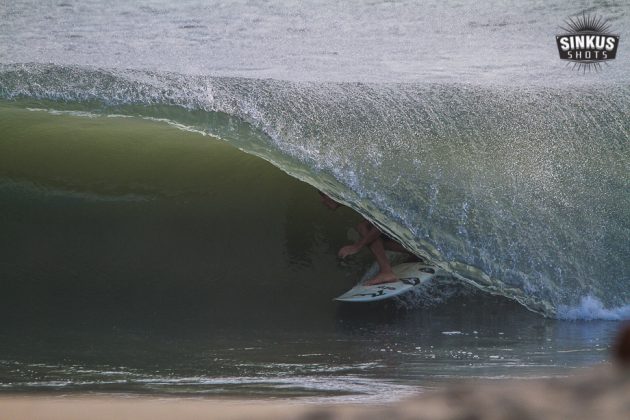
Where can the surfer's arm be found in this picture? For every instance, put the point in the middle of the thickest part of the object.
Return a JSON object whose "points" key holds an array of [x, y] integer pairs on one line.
{"points": [[369, 233]]}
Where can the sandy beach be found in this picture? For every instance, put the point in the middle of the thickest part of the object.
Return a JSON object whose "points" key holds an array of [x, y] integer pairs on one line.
{"points": [[598, 393]]}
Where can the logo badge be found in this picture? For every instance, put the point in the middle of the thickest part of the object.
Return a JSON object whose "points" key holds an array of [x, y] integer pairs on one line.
{"points": [[587, 42]]}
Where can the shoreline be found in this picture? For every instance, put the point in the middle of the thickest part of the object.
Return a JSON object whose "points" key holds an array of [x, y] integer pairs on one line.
{"points": [[599, 392]]}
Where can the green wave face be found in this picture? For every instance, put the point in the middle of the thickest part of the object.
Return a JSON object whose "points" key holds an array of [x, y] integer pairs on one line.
{"points": [[522, 192], [120, 213]]}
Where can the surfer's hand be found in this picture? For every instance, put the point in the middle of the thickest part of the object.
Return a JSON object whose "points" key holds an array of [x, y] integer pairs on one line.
{"points": [[348, 250]]}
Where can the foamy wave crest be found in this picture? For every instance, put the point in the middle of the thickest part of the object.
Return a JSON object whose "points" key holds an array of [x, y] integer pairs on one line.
{"points": [[591, 308]]}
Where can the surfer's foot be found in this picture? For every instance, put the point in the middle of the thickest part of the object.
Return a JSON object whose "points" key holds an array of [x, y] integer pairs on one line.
{"points": [[381, 278]]}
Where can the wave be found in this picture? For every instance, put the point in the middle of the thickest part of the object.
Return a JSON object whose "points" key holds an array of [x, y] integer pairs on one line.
{"points": [[519, 191]]}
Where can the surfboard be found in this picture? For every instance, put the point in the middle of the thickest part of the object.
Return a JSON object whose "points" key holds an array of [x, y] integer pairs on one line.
{"points": [[410, 275]]}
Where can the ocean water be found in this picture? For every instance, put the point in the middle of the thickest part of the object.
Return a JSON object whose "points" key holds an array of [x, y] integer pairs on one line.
{"points": [[161, 230]]}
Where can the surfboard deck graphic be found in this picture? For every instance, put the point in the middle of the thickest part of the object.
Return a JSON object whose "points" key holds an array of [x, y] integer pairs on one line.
{"points": [[410, 276]]}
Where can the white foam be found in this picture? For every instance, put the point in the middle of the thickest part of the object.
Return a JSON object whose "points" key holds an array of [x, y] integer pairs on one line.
{"points": [[591, 308]]}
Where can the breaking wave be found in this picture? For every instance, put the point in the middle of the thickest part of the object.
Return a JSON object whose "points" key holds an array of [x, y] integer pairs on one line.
{"points": [[519, 191]]}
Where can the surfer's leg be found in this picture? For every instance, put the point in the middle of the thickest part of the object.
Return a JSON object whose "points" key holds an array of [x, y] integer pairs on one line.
{"points": [[363, 228], [395, 246], [386, 274]]}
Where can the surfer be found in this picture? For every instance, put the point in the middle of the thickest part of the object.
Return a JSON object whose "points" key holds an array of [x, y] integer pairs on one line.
{"points": [[373, 238]]}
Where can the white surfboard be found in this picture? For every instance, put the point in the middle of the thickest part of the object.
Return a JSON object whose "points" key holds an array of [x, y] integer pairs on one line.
{"points": [[410, 275]]}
